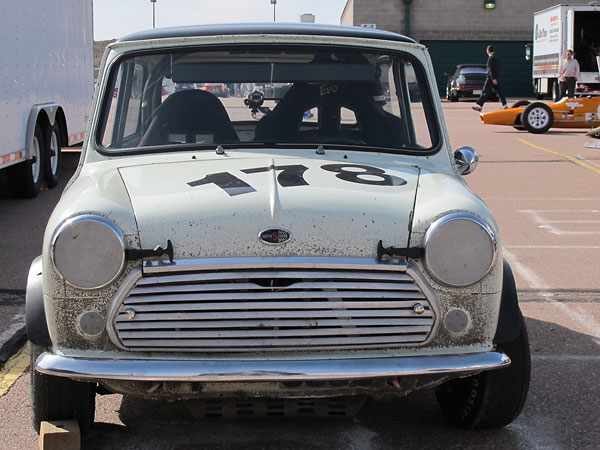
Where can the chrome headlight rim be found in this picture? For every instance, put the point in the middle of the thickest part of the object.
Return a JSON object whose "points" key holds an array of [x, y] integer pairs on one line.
{"points": [[435, 225], [86, 217]]}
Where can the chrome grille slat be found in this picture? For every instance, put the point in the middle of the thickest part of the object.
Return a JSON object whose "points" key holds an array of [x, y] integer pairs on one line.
{"points": [[284, 342], [241, 308], [222, 334], [274, 305], [239, 297], [322, 274], [203, 287], [281, 323], [274, 314]]}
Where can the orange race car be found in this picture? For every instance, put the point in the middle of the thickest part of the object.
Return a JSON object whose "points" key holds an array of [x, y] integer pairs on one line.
{"points": [[538, 117]]}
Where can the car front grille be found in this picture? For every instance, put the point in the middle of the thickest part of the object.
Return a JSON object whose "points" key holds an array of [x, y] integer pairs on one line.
{"points": [[272, 309]]}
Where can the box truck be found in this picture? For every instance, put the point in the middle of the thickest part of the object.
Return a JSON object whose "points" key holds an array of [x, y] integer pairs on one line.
{"points": [[46, 87], [557, 29]]}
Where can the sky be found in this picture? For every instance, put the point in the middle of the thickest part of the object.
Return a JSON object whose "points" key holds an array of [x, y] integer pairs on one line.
{"points": [[115, 18]]}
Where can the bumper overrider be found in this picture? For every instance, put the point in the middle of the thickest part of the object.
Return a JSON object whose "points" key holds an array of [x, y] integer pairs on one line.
{"points": [[240, 371]]}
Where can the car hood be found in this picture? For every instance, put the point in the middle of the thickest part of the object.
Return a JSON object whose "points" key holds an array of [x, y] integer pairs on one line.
{"points": [[328, 210]]}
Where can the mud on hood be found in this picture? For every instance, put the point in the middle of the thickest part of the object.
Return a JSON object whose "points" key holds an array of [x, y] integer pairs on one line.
{"points": [[218, 208]]}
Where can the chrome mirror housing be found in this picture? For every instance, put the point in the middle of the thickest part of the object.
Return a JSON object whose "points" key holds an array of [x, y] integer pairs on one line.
{"points": [[466, 160]]}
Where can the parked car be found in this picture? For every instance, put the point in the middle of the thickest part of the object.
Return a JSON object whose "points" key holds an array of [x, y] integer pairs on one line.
{"points": [[539, 117], [196, 254], [467, 82], [218, 89]]}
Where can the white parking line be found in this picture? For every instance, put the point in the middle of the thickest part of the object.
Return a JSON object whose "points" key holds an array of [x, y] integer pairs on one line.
{"points": [[547, 224], [565, 358], [555, 247], [535, 282]]}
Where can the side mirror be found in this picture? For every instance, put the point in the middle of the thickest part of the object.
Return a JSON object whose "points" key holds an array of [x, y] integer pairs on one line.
{"points": [[466, 160]]}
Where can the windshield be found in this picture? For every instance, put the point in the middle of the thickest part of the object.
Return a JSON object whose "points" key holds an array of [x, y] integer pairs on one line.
{"points": [[267, 96], [473, 69]]}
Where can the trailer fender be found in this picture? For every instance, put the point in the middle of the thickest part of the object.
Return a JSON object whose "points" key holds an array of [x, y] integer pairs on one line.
{"points": [[50, 109], [509, 320], [35, 314]]}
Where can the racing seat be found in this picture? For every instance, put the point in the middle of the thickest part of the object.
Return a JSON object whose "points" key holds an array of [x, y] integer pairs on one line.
{"points": [[375, 126], [189, 116]]}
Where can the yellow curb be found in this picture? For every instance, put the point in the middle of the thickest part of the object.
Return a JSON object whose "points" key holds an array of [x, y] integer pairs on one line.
{"points": [[569, 157], [14, 368]]}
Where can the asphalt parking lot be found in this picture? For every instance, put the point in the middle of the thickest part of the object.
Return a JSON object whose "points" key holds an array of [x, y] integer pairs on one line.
{"points": [[544, 192]]}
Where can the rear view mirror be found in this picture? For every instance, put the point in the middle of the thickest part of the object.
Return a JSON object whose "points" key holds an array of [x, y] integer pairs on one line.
{"points": [[466, 160]]}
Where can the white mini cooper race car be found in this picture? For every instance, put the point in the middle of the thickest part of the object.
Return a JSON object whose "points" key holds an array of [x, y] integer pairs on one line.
{"points": [[309, 236]]}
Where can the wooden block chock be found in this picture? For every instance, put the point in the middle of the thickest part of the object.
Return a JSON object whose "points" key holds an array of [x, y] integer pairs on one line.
{"points": [[60, 435]]}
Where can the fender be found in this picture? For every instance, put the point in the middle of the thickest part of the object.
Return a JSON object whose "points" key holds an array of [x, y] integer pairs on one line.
{"points": [[35, 314], [509, 320], [50, 109]]}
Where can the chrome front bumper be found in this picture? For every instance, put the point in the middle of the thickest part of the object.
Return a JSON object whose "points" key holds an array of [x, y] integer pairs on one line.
{"points": [[241, 371]]}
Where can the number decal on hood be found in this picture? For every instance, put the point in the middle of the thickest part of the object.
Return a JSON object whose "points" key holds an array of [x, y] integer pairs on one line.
{"points": [[355, 177], [293, 175], [226, 181]]}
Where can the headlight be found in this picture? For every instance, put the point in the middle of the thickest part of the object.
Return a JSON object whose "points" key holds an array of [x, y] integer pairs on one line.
{"points": [[88, 251], [460, 249]]}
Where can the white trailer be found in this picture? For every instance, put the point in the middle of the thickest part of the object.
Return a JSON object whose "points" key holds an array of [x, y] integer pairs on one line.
{"points": [[46, 87], [557, 29]]}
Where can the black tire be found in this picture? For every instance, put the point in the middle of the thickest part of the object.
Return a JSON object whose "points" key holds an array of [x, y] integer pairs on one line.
{"points": [[493, 398], [59, 398], [52, 155], [537, 117], [518, 124], [25, 179]]}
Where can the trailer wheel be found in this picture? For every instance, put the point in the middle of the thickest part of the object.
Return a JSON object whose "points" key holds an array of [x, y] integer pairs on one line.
{"points": [[59, 398], [25, 178], [52, 156], [537, 118]]}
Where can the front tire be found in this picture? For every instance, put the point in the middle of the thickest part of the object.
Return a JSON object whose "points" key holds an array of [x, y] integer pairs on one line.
{"points": [[537, 118], [25, 179], [518, 123], [59, 398], [52, 156], [493, 398]]}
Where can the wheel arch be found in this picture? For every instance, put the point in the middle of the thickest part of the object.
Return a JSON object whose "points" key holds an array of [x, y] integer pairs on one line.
{"points": [[45, 114], [509, 320], [35, 313]]}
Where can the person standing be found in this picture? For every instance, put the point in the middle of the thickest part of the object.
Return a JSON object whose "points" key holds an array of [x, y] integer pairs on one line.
{"points": [[569, 75], [492, 80]]}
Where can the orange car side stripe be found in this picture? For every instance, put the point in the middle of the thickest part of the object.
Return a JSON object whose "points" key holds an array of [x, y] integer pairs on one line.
{"points": [[569, 157]]}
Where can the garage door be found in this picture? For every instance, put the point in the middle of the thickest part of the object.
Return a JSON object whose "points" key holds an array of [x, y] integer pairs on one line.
{"points": [[515, 69]]}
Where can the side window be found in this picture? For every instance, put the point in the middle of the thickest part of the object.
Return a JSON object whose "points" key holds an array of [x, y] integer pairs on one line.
{"points": [[134, 102]]}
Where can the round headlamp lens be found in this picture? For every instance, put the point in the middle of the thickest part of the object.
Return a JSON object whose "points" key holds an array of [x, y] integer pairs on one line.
{"points": [[88, 251], [460, 249]]}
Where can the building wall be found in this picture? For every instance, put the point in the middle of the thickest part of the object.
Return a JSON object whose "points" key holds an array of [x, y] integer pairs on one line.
{"points": [[348, 14], [511, 20]]}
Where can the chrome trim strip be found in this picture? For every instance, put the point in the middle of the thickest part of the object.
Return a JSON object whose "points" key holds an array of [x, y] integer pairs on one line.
{"points": [[241, 371], [286, 262]]}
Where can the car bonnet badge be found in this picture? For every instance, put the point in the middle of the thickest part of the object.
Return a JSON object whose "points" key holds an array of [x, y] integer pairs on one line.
{"points": [[275, 236]]}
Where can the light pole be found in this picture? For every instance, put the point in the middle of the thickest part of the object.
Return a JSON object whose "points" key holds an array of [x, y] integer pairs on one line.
{"points": [[273, 2], [153, 13]]}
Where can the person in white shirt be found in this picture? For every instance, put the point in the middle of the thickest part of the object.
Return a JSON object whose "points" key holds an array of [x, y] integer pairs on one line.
{"points": [[569, 75]]}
